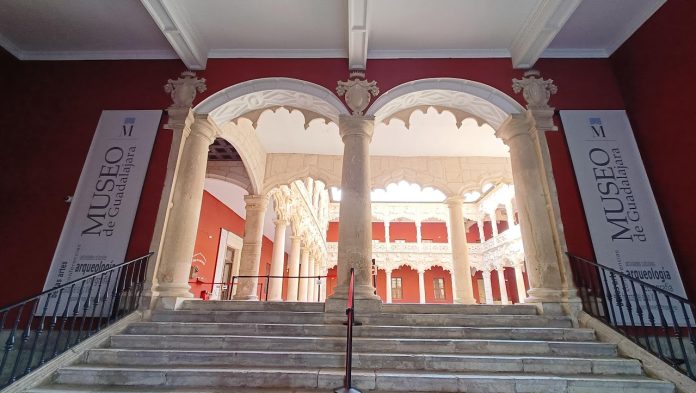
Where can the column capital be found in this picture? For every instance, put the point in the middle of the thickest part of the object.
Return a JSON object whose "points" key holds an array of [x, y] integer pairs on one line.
{"points": [[280, 222], [256, 203], [204, 127], [361, 126], [454, 201], [516, 125]]}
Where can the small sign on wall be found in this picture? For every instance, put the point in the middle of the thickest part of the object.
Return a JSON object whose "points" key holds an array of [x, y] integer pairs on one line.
{"points": [[625, 225]]}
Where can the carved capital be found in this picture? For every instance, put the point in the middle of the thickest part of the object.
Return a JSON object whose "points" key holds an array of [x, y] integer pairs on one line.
{"points": [[454, 201], [535, 90], [183, 90], [203, 127], [256, 203], [362, 126], [357, 92], [516, 125]]}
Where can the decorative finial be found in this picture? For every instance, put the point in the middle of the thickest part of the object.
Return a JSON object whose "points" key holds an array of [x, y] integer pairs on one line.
{"points": [[357, 91], [535, 90], [183, 90]]}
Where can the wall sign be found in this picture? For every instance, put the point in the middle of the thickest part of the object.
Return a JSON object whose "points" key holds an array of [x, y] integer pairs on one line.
{"points": [[100, 219], [625, 225]]}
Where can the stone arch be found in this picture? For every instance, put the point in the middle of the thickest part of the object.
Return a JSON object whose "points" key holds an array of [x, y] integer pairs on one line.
{"points": [[413, 176], [478, 99]]}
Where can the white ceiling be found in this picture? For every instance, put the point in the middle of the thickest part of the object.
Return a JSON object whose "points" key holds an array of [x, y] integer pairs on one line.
{"points": [[195, 30]]}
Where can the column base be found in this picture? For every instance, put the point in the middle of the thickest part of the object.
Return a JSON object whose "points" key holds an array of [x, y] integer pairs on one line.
{"points": [[252, 298], [465, 301], [173, 290], [335, 305], [555, 302], [171, 302]]}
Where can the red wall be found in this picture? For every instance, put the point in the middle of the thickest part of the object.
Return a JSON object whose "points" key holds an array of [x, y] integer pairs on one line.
{"points": [[655, 72], [54, 108], [435, 231]]}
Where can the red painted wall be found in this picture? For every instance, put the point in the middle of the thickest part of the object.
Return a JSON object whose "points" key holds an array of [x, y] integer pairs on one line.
{"points": [[435, 231], [402, 231], [655, 72], [55, 107]]}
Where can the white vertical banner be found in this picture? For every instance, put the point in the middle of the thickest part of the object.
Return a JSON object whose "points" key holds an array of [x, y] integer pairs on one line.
{"points": [[625, 225], [100, 219]]}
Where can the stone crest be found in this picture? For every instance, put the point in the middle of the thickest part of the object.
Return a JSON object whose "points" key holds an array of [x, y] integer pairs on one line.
{"points": [[535, 90], [183, 90], [357, 92]]}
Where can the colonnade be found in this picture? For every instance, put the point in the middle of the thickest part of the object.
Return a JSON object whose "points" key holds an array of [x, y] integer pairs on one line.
{"points": [[523, 133]]}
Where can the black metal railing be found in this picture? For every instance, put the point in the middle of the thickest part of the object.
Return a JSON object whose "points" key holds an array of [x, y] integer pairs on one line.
{"points": [[37, 329], [350, 322], [653, 318], [262, 287]]}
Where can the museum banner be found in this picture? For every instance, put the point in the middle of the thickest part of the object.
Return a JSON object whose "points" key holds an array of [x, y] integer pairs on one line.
{"points": [[625, 225], [100, 219]]}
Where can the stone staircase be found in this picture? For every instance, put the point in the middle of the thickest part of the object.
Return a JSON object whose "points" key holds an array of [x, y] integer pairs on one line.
{"points": [[208, 347]]}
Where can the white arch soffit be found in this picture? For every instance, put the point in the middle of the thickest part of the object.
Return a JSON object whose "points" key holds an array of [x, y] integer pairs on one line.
{"points": [[234, 101], [478, 99]]}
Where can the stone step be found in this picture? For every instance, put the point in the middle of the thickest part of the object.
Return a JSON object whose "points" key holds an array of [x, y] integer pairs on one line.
{"points": [[381, 380], [381, 319], [425, 362], [155, 389], [364, 345], [243, 305], [467, 309], [253, 329]]}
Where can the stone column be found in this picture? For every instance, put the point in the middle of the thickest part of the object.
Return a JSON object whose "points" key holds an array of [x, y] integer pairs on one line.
{"points": [[355, 231], [311, 281], [510, 214], [421, 286], [494, 222], [387, 273], [251, 249], [387, 238], [460, 253], [482, 234], [304, 271], [487, 289], [419, 237], [503, 287], [519, 283], [275, 285], [182, 225], [294, 267]]}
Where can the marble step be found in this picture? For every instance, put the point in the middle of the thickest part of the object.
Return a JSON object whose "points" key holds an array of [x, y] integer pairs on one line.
{"points": [[425, 362], [363, 345], [252, 329], [468, 309], [243, 305], [381, 380], [381, 319]]}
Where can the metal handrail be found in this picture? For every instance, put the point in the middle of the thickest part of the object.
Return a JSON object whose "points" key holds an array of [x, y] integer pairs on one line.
{"points": [[350, 322], [655, 319], [264, 288], [68, 314]]}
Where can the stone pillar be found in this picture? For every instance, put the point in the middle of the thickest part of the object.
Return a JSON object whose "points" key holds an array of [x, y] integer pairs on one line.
{"points": [[387, 238], [510, 214], [503, 287], [494, 222], [182, 225], [294, 267], [421, 286], [535, 227], [275, 285], [460, 253], [324, 284], [487, 289], [519, 283], [304, 271], [251, 249], [418, 232], [311, 281], [482, 234], [355, 231], [387, 273]]}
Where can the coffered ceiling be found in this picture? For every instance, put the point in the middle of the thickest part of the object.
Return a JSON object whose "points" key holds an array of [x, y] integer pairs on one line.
{"points": [[195, 30]]}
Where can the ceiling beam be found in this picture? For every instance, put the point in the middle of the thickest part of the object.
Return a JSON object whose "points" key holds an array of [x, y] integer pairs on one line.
{"points": [[539, 30], [358, 32], [176, 28]]}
